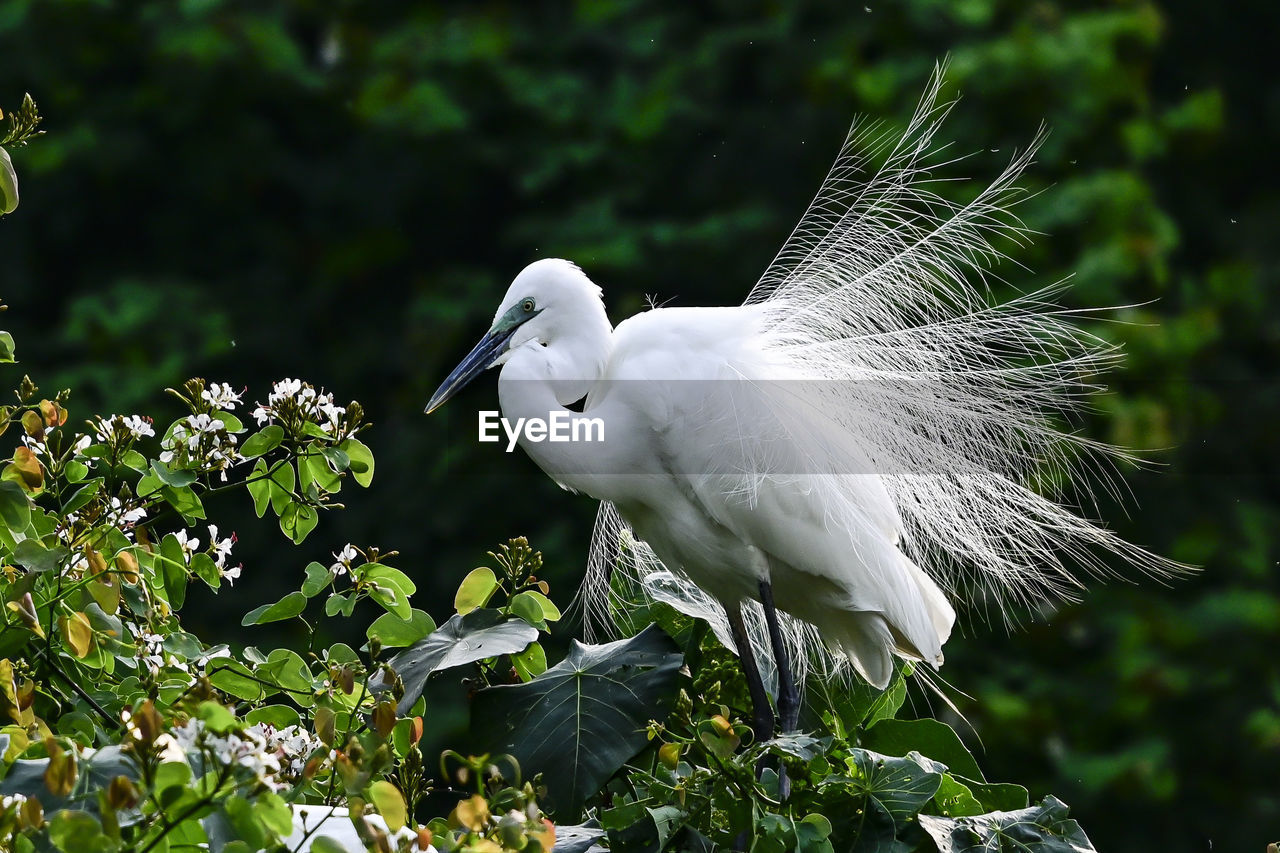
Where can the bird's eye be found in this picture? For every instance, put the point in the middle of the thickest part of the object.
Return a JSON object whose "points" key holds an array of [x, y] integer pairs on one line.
{"points": [[527, 305]]}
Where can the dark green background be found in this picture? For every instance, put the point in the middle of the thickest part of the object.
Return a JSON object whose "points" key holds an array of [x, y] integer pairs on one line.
{"points": [[341, 191]]}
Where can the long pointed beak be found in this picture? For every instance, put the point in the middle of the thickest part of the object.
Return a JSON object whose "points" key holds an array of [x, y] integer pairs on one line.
{"points": [[480, 358]]}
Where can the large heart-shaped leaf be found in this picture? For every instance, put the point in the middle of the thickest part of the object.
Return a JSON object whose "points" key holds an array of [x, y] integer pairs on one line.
{"points": [[928, 737], [461, 640], [896, 788], [583, 718], [1040, 829]]}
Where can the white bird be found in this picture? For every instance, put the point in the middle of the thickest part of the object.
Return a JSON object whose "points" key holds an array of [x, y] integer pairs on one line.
{"points": [[854, 446]]}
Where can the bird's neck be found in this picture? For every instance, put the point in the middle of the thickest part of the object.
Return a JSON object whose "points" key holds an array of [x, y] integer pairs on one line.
{"points": [[538, 383]]}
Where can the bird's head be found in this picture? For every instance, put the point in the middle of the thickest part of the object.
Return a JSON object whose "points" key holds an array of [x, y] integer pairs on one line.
{"points": [[549, 300]]}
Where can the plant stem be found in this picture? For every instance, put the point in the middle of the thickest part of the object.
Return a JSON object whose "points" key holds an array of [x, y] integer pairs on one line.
{"points": [[79, 691]]}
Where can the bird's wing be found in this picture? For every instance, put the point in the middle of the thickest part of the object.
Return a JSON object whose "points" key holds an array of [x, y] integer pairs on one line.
{"points": [[750, 444]]}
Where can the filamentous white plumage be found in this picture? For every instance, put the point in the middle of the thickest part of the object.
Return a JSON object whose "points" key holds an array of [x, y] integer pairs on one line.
{"points": [[864, 432]]}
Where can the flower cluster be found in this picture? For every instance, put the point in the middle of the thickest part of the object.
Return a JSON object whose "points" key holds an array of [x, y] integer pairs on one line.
{"points": [[294, 402], [276, 758], [220, 395], [343, 559], [118, 427], [39, 444], [219, 549], [202, 440]]}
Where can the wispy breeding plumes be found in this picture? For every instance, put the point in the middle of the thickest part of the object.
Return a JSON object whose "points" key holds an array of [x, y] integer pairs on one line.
{"points": [[879, 303]]}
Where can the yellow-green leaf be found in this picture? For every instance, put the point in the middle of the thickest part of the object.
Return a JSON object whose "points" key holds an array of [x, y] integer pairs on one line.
{"points": [[78, 633], [475, 591], [390, 804]]}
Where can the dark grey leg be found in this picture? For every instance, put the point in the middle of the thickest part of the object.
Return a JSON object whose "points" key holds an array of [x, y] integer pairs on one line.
{"points": [[762, 720], [788, 693]]}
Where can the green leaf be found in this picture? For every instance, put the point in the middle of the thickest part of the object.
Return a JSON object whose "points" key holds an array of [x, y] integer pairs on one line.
{"points": [[531, 662], [585, 717], [173, 774], [176, 479], [326, 844], [390, 803], [229, 421], [259, 487], [1044, 828], [75, 831], [318, 577], [459, 641], [998, 796], [279, 716], [281, 482], [247, 823], [298, 520], [928, 737], [75, 471], [527, 608], [262, 442], [274, 812], [173, 570], [393, 587], [898, 787], [216, 717], [31, 554], [475, 590], [134, 460], [231, 676], [394, 632], [954, 799], [339, 460], [149, 485], [15, 506], [286, 608], [286, 669], [7, 351], [82, 496], [886, 705], [206, 569], [334, 604], [318, 471], [185, 501], [8, 204], [550, 612], [361, 460]]}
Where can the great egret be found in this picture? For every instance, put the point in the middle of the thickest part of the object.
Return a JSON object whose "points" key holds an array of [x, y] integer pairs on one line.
{"points": [[851, 446]]}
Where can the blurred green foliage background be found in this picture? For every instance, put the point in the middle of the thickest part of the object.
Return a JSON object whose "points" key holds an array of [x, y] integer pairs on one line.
{"points": [[342, 190]]}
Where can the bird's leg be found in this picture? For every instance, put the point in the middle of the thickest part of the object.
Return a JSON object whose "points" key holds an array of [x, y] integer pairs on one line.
{"points": [[761, 714], [788, 693]]}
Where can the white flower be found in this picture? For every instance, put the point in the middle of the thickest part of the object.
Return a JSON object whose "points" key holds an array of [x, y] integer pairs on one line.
{"points": [[82, 442], [342, 560], [220, 548], [189, 545], [220, 396], [284, 389], [333, 414], [124, 516], [204, 659], [232, 574], [170, 750], [204, 422], [12, 800], [138, 426], [262, 415]]}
